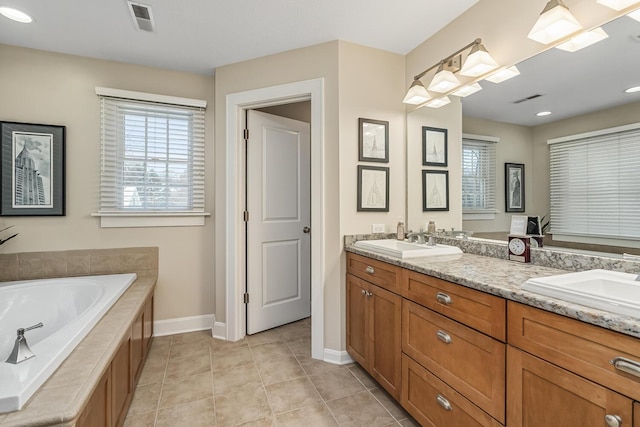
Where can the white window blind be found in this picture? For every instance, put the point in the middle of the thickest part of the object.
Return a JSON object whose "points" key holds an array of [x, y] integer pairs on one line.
{"points": [[152, 157], [478, 174], [595, 184]]}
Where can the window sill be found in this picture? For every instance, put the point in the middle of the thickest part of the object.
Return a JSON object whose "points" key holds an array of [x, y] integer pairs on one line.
{"points": [[151, 219], [478, 216]]}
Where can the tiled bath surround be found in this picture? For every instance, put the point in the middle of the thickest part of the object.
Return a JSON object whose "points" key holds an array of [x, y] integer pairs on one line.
{"points": [[543, 257]]}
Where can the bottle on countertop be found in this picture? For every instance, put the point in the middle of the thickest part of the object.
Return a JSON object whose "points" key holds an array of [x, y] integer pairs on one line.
{"points": [[431, 227], [400, 234]]}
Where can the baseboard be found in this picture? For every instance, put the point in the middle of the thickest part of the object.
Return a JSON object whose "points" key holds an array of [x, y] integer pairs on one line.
{"points": [[337, 357], [219, 330], [183, 324]]}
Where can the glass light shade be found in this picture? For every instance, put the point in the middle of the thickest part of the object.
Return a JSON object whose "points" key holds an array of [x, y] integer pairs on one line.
{"points": [[504, 74], [16, 15], [438, 102], [634, 89], [478, 62], [417, 94], [617, 4], [554, 23], [583, 40], [444, 81], [467, 90], [635, 15]]}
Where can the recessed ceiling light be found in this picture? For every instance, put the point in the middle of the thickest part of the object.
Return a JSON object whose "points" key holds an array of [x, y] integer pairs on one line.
{"points": [[543, 113], [633, 89], [15, 15]]}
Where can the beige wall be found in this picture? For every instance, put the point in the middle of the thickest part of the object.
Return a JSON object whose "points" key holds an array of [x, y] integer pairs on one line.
{"points": [[515, 146], [50, 88]]}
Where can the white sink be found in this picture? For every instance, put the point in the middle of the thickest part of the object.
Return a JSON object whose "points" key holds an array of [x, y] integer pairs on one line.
{"points": [[607, 290], [402, 249]]}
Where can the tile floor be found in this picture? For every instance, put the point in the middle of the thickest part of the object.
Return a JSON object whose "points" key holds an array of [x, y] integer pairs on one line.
{"points": [[267, 379]]}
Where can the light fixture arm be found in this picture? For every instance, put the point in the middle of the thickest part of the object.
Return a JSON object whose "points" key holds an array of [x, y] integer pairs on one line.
{"points": [[447, 59]]}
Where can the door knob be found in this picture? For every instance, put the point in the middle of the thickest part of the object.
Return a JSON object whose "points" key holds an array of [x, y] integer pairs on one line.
{"points": [[306, 230]]}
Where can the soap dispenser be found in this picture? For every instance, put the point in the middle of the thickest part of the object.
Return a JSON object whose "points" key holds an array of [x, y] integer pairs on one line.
{"points": [[400, 234]]}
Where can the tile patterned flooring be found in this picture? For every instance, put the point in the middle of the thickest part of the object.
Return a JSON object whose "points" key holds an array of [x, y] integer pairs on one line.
{"points": [[267, 379]]}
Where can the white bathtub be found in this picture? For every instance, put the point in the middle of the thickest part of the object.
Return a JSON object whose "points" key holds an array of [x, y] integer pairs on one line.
{"points": [[68, 307]]}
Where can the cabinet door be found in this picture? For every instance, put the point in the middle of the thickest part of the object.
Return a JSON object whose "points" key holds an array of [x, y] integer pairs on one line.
{"points": [[385, 316], [542, 394], [357, 312], [97, 413], [147, 332], [122, 383], [137, 345]]}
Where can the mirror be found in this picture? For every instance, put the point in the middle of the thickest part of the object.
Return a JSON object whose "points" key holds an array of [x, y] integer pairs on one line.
{"points": [[584, 90]]}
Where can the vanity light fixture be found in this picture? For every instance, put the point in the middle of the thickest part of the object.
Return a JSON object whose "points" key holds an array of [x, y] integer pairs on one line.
{"points": [[438, 102], [444, 80], [15, 15], [617, 4], [554, 23], [417, 94], [504, 74], [467, 90], [633, 89], [543, 113], [583, 40], [477, 63], [634, 15]]}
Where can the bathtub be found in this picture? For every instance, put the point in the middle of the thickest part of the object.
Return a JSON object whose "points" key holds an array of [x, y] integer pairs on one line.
{"points": [[68, 307]]}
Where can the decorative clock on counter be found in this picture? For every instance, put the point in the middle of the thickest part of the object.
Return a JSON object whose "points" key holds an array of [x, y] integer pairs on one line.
{"points": [[519, 248]]}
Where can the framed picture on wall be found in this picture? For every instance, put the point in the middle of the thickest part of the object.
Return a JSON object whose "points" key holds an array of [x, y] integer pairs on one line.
{"points": [[373, 141], [514, 187], [373, 189], [435, 190], [32, 166], [434, 146]]}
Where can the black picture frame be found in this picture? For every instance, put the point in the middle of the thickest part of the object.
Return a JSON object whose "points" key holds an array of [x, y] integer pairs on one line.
{"points": [[32, 167], [435, 190], [373, 140], [373, 189], [434, 146], [514, 196]]}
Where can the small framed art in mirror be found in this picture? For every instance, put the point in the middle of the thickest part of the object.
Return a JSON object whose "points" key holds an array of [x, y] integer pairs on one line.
{"points": [[514, 187]]}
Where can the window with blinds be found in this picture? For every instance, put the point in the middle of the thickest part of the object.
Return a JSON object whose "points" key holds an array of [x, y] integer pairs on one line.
{"points": [[594, 184], [152, 157], [478, 174]]}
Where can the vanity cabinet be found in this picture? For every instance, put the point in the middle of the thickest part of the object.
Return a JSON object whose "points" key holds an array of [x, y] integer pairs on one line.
{"points": [[373, 320], [110, 401], [561, 370]]}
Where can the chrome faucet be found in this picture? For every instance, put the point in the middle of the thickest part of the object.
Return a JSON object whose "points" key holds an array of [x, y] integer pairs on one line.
{"points": [[21, 350], [417, 237]]}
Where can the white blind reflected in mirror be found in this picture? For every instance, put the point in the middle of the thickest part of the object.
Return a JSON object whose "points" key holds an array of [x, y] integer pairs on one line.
{"points": [[478, 174], [595, 184]]}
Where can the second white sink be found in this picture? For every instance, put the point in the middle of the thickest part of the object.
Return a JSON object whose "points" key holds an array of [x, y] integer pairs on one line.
{"points": [[402, 249], [613, 291]]}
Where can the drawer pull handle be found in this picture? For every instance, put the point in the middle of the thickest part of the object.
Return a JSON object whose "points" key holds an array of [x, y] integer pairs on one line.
{"points": [[626, 365], [369, 294], [444, 403], [369, 269], [444, 337], [363, 292], [613, 420], [443, 298]]}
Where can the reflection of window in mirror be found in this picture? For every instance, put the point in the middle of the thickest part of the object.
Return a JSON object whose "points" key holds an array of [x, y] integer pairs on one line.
{"points": [[478, 174]]}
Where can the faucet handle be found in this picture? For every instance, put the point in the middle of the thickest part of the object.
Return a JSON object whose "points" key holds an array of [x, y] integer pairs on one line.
{"points": [[21, 331]]}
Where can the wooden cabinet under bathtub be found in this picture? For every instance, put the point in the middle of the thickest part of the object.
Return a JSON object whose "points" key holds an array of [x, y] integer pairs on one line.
{"points": [[458, 357], [110, 401]]}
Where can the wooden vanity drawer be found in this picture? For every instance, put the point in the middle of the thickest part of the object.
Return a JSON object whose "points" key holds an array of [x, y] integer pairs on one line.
{"points": [[479, 310], [470, 362], [581, 348], [432, 403], [380, 273]]}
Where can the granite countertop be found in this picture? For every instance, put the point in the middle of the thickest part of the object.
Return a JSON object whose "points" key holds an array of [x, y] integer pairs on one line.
{"points": [[505, 279], [59, 401]]}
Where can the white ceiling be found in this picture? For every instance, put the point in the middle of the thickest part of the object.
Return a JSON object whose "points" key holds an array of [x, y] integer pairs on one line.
{"points": [[570, 84], [200, 35]]}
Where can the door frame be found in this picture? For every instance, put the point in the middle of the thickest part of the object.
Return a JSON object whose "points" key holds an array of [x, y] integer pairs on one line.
{"points": [[236, 104]]}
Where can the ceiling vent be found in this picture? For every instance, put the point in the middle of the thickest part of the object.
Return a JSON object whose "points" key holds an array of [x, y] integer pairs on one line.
{"points": [[142, 16], [528, 98]]}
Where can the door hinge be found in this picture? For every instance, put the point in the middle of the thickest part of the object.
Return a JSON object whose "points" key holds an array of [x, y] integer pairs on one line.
{"points": [[246, 298], [245, 216], [246, 134]]}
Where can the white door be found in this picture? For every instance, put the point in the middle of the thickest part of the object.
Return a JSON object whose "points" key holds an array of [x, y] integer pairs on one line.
{"points": [[278, 235]]}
